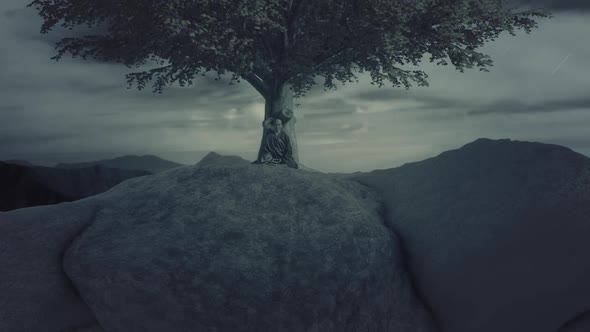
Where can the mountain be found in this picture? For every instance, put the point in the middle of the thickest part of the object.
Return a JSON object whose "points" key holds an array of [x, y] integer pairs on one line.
{"points": [[18, 162], [496, 233], [26, 186], [489, 237], [213, 158], [148, 163]]}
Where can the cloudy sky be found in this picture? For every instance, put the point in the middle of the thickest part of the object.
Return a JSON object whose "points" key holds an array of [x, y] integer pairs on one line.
{"points": [[71, 110]]}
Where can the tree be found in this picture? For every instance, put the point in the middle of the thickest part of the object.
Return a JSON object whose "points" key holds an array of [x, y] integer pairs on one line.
{"points": [[280, 46]]}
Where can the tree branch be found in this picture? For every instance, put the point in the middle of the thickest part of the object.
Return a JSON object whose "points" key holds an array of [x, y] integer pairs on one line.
{"points": [[292, 28], [287, 33], [321, 63], [268, 46], [257, 83], [330, 58]]}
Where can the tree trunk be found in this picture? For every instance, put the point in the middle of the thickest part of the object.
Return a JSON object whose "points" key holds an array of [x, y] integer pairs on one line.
{"points": [[279, 105]]}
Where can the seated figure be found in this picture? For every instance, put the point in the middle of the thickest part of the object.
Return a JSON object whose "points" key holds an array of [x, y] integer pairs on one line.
{"points": [[277, 147]]}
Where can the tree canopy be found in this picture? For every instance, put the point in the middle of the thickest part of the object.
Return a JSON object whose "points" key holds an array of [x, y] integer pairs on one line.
{"points": [[272, 42]]}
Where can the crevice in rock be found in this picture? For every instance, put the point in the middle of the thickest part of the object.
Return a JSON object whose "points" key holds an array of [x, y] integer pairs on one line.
{"points": [[577, 323], [384, 214], [91, 326], [406, 264]]}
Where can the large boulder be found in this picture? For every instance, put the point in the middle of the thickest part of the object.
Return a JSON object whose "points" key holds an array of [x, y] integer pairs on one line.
{"points": [[231, 248], [35, 293], [580, 323], [497, 233], [492, 237]]}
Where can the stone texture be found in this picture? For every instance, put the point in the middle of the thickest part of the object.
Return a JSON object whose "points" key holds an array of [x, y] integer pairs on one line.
{"points": [[243, 248], [497, 233], [35, 293], [579, 323], [493, 236]]}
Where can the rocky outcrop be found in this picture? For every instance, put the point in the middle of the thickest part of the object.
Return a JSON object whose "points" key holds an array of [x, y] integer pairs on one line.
{"points": [[237, 248], [496, 233], [579, 323], [214, 158], [26, 186], [36, 294], [489, 237]]}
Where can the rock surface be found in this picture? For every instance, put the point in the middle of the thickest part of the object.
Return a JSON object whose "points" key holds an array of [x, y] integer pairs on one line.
{"points": [[234, 248], [35, 293], [26, 186], [497, 233], [492, 237], [242, 248], [214, 158], [579, 323]]}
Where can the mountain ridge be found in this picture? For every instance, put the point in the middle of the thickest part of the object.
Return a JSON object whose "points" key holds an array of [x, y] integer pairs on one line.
{"points": [[149, 163], [27, 186]]}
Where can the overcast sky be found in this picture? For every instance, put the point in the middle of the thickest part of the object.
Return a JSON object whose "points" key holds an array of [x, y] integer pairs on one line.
{"points": [[71, 110]]}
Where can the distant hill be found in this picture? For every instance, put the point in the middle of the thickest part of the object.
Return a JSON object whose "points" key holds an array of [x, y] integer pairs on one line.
{"points": [[18, 162], [26, 186], [214, 158], [147, 163]]}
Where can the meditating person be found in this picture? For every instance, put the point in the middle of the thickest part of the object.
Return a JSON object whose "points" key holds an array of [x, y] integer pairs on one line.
{"points": [[277, 146], [267, 128]]}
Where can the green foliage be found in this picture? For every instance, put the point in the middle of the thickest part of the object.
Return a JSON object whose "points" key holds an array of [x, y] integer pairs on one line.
{"points": [[272, 42]]}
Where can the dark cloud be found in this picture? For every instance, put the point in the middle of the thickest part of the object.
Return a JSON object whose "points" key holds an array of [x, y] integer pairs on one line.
{"points": [[32, 16], [506, 106], [94, 84], [202, 86], [190, 124], [575, 143], [15, 13], [26, 24], [104, 114], [324, 115], [328, 108], [240, 126], [11, 108], [351, 128], [203, 97], [124, 121], [435, 102], [379, 94], [557, 5], [511, 106], [90, 86], [120, 121], [426, 101], [11, 140]]}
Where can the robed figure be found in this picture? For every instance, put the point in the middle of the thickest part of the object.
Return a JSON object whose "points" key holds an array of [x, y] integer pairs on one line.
{"points": [[276, 148]]}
